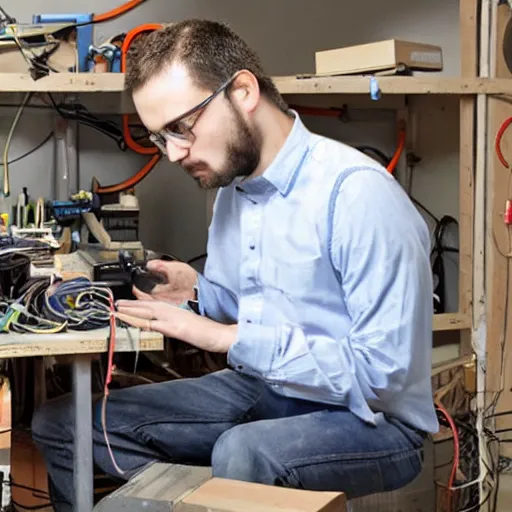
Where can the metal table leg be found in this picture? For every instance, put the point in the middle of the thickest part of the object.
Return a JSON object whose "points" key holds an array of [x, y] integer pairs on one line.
{"points": [[83, 459]]}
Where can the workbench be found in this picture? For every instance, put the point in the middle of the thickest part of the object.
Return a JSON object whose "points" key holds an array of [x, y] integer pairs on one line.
{"points": [[81, 347]]}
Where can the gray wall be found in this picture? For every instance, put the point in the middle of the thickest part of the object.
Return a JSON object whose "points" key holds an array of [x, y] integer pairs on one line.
{"points": [[286, 34]]}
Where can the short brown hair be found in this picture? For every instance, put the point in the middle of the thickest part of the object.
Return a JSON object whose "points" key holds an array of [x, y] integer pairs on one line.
{"points": [[211, 51]]}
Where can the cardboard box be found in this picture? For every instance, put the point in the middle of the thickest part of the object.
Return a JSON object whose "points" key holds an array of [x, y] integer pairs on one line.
{"points": [[178, 488], [223, 495], [379, 56]]}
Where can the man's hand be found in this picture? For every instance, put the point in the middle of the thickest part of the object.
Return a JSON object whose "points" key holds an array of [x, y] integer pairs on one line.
{"points": [[179, 286], [174, 322]]}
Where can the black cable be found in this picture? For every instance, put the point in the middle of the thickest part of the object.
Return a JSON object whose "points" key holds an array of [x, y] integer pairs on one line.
{"points": [[367, 150], [495, 415], [196, 258], [29, 152], [41, 494], [84, 117], [425, 209], [479, 505], [31, 507]]}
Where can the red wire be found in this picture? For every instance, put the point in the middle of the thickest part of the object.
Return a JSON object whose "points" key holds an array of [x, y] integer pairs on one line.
{"points": [[497, 144], [398, 152], [456, 453], [111, 348]]}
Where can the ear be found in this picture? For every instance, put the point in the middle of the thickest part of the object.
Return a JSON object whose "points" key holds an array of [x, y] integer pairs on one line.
{"points": [[245, 91]]}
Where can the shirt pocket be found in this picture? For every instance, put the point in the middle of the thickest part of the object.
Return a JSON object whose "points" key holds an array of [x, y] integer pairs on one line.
{"points": [[295, 278]]}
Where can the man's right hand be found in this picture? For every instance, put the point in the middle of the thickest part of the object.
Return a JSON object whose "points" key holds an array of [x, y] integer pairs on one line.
{"points": [[180, 279]]}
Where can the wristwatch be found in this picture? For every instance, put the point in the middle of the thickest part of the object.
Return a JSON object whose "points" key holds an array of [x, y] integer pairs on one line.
{"points": [[193, 304]]}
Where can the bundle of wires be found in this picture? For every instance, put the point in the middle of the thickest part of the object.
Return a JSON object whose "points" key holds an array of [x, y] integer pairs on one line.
{"points": [[46, 307], [78, 302]]}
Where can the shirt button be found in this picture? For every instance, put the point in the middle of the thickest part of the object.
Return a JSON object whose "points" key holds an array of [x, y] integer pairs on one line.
{"points": [[249, 321], [252, 247], [239, 367]]}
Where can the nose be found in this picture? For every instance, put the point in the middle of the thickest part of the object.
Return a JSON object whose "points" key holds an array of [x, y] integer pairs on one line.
{"points": [[175, 153]]}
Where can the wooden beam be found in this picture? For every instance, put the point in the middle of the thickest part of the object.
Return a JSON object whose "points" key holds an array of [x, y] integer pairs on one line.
{"points": [[392, 85], [498, 243], [469, 69], [114, 82], [87, 342], [451, 322]]}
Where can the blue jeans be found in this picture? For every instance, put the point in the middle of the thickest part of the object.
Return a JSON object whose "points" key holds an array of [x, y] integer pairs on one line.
{"points": [[240, 427]]}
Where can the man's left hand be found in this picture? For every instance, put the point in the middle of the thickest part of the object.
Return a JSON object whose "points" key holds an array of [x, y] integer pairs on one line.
{"points": [[174, 322]]}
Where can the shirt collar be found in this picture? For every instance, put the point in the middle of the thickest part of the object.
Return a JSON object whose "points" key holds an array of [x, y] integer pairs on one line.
{"points": [[281, 172]]}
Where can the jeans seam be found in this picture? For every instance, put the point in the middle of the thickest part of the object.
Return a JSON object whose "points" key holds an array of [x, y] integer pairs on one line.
{"points": [[293, 478], [188, 419], [348, 457], [181, 419]]}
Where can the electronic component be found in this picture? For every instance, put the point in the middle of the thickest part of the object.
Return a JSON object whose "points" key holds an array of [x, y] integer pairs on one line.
{"points": [[141, 278]]}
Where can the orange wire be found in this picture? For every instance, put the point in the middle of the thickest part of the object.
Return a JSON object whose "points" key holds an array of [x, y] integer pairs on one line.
{"points": [[128, 40], [398, 152], [117, 11], [131, 182], [130, 142]]}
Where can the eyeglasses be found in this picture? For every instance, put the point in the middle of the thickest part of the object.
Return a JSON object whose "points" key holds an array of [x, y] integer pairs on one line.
{"points": [[179, 131]]}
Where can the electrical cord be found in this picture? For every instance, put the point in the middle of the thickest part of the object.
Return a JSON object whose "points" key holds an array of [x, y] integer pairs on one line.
{"points": [[108, 379], [30, 151], [53, 307], [6, 185], [456, 453], [84, 117], [112, 14]]}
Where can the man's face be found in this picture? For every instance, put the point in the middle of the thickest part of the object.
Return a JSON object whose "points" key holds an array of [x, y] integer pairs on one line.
{"points": [[219, 143]]}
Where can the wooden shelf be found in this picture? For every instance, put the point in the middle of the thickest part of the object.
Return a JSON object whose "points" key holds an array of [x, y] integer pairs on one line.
{"points": [[394, 85], [86, 342], [451, 322]]}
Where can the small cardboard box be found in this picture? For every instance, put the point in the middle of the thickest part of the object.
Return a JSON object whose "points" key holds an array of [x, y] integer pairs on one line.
{"points": [[223, 495], [379, 56]]}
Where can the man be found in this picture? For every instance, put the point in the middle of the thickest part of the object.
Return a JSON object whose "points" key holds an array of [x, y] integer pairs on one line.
{"points": [[317, 286]]}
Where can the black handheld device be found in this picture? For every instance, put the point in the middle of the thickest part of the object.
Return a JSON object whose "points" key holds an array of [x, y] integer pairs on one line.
{"points": [[141, 278]]}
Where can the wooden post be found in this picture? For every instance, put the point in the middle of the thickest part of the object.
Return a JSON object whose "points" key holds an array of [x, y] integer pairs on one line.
{"points": [[498, 243], [469, 69]]}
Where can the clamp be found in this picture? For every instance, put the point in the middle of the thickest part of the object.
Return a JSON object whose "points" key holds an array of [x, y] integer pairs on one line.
{"points": [[110, 53]]}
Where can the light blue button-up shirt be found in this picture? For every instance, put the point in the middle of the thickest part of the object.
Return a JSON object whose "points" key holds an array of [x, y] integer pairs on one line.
{"points": [[323, 261]]}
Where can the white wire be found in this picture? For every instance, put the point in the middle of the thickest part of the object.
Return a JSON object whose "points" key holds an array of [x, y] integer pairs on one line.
{"points": [[6, 186]]}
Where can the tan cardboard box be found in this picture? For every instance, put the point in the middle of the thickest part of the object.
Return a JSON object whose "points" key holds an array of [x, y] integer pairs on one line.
{"points": [[222, 495], [379, 56]]}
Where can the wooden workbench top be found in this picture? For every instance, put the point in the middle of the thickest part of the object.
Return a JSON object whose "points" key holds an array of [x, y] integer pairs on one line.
{"points": [[87, 342]]}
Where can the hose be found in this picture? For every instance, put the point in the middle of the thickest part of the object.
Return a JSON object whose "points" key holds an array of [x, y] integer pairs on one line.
{"points": [[130, 142], [117, 11]]}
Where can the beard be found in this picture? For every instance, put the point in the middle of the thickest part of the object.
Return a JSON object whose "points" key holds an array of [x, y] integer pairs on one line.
{"points": [[243, 157]]}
